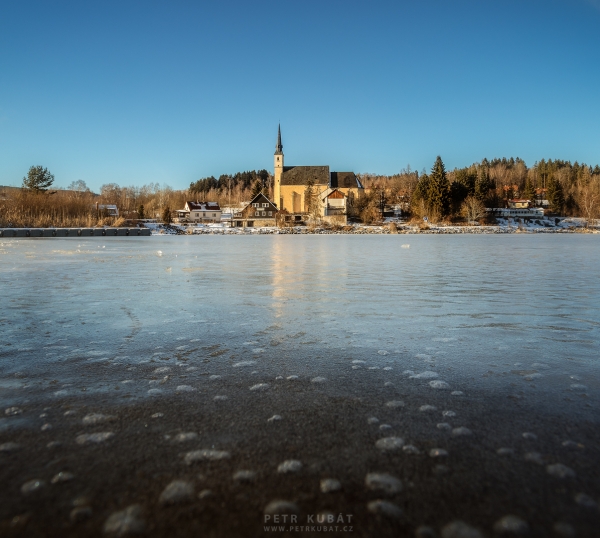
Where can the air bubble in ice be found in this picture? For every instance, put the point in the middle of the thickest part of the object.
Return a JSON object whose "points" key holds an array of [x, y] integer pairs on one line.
{"points": [[185, 436], [32, 485], [441, 385], [243, 363], [459, 529], [206, 454], [390, 443], [125, 522], [383, 482], [560, 471], [329, 485], [62, 477], [96, 418], [289, 466], [428, 374], [178, 491], [244, 476], [534, 457], [384, 508], [185, 388]]}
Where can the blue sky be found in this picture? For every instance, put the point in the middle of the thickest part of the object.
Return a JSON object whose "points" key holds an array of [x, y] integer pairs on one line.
{"points": [[168, 92]]}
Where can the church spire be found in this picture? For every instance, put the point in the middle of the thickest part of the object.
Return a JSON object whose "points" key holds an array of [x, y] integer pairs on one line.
{"points": [[279, 147]]}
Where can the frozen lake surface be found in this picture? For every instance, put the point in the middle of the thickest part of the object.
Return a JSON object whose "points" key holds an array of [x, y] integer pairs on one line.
{"points": [[421, 385], [485, 310]]}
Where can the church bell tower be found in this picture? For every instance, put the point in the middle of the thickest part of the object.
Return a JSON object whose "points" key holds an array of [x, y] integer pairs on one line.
{"points": [[278, 161]]}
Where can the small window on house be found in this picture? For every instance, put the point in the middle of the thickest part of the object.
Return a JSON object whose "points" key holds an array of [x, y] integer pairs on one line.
{"points": [[255, 205], [265, 205], [270, 213], [214, 214]]}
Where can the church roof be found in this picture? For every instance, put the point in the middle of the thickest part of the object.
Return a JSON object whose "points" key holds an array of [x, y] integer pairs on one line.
{"points": [[299, 175], [344, 180]]}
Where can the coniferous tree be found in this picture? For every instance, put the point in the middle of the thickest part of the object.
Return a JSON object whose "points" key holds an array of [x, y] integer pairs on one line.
{"points": [[166, 215], [439, 189], [555, 194], [141, 212], [529, 191], [482, 184], [38, 179], [257, 188]]}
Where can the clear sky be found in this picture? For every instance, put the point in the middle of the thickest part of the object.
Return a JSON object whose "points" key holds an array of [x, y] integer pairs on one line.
{"points": [[169, 92]]}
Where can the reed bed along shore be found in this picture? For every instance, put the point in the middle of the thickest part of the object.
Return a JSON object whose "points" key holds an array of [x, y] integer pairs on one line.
{"points": [[57, 210]]}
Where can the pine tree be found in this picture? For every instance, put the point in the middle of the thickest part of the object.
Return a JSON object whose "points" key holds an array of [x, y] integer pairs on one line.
{"points": [[482, 184], [166, 215], [257, 189], [529, 191], [439, 189], [38, 179], [555, 195], [141, 212]]}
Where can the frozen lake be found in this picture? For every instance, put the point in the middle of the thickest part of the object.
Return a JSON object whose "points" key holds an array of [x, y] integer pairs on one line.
{"points": [[200, 386], [492, 310]]}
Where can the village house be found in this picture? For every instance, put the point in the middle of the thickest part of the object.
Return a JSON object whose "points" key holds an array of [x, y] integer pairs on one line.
{"points": [[258, 213], [332, 206], [199, 212], [519, 204]]}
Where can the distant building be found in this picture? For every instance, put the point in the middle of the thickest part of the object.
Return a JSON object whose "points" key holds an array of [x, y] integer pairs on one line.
{"points": [[291, 182], [514, 213], [258, 213], [196, 212], [519, 204], [110, 210]]}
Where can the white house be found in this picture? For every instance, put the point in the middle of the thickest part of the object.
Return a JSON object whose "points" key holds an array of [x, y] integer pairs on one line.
{"points": [[333, 206], [200, 212]]}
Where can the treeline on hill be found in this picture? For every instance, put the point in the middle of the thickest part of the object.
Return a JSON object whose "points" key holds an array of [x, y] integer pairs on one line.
{"points": [[464, 193], [232, 189]]}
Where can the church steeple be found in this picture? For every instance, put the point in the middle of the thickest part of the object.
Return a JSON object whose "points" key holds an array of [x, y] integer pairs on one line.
{"points": [[278, 162], [279, 147]]}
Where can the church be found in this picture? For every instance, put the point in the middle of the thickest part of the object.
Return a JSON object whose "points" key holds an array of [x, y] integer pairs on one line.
{"points": [[335, 192]]}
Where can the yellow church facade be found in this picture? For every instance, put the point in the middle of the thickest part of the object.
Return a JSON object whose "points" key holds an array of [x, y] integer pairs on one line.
{"points": [[291, 182]]}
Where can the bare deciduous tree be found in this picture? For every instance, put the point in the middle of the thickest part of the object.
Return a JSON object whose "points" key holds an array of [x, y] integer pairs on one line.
{"points": [[472, 209]]}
